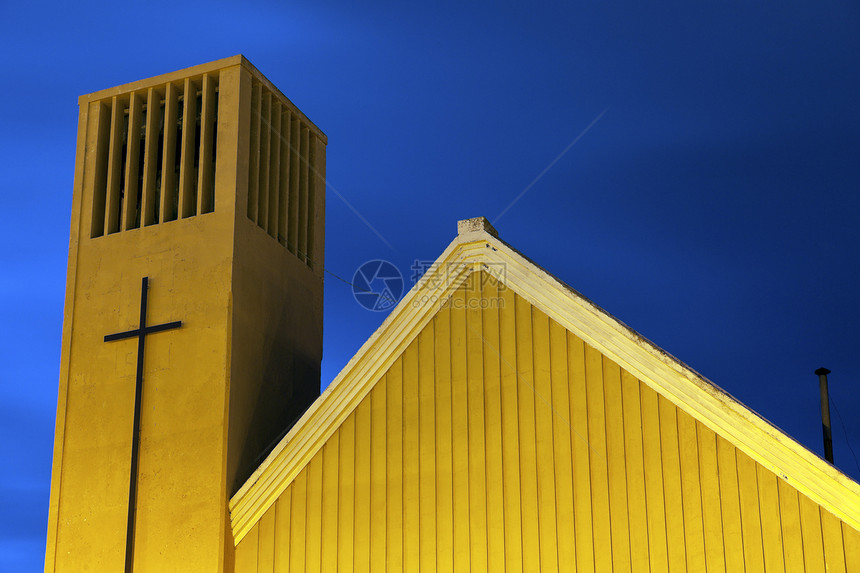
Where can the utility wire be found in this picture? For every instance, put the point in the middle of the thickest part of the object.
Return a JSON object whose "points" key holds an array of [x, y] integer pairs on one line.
{"points": [[845, 431], [355, 287]]}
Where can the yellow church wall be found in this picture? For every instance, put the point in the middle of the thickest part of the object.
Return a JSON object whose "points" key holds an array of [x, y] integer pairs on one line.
{"points": [[499, 440]]}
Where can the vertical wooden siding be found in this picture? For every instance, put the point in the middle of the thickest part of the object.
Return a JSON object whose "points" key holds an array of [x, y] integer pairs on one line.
{"points": [[500, 441]]}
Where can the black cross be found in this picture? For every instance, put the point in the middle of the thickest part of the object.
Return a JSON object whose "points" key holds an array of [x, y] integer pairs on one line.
{"points": [[139, 333]]}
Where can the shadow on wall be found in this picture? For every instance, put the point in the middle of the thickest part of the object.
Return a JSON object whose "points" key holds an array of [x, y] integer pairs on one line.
{"points": [[290, 383]]}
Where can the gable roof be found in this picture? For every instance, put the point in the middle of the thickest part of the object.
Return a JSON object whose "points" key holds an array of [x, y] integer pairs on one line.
{"points": [[478, 248]]}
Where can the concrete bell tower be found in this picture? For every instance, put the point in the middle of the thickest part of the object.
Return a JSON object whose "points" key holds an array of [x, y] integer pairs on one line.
{"points": [[197, 236]]}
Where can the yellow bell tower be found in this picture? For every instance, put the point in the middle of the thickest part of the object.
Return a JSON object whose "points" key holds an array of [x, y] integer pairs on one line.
{"points": [[192, 334]]}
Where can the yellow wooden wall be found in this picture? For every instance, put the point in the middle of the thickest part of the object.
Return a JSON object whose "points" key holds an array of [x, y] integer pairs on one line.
{"points": [[499, 441]]}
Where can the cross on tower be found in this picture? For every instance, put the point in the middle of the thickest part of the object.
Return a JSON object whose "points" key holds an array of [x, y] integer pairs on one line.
{"points": [[140, 332]]}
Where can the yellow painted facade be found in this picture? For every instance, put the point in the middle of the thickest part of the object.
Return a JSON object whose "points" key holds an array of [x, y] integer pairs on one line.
{"points": [[499, 441], [496, 421], [177, 182]]}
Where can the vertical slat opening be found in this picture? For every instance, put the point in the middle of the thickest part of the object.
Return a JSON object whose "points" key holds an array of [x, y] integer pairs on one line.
{"points": [[170, 164], [118, 129], [303, 195], [155, 155], [208, 127], [134, 163], [216, 95], [103, 124], [282, 173], [254, 162], [293, 227], [265, 137], [154, 139], [312, 178], [190, 150], [274, 167], [284, 179]]}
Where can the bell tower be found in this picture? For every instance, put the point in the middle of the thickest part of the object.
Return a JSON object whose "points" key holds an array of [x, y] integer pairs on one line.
{"points": [[192, 334]]}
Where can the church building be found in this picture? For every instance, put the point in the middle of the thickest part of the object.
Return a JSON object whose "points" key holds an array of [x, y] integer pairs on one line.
{"points": [[496, 421]]}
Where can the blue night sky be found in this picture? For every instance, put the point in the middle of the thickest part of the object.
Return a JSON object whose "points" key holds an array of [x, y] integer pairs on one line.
{"points": [[708, 196]]}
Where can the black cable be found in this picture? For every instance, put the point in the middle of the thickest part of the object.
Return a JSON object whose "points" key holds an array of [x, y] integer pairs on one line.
{"points": [[845, 431]]}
